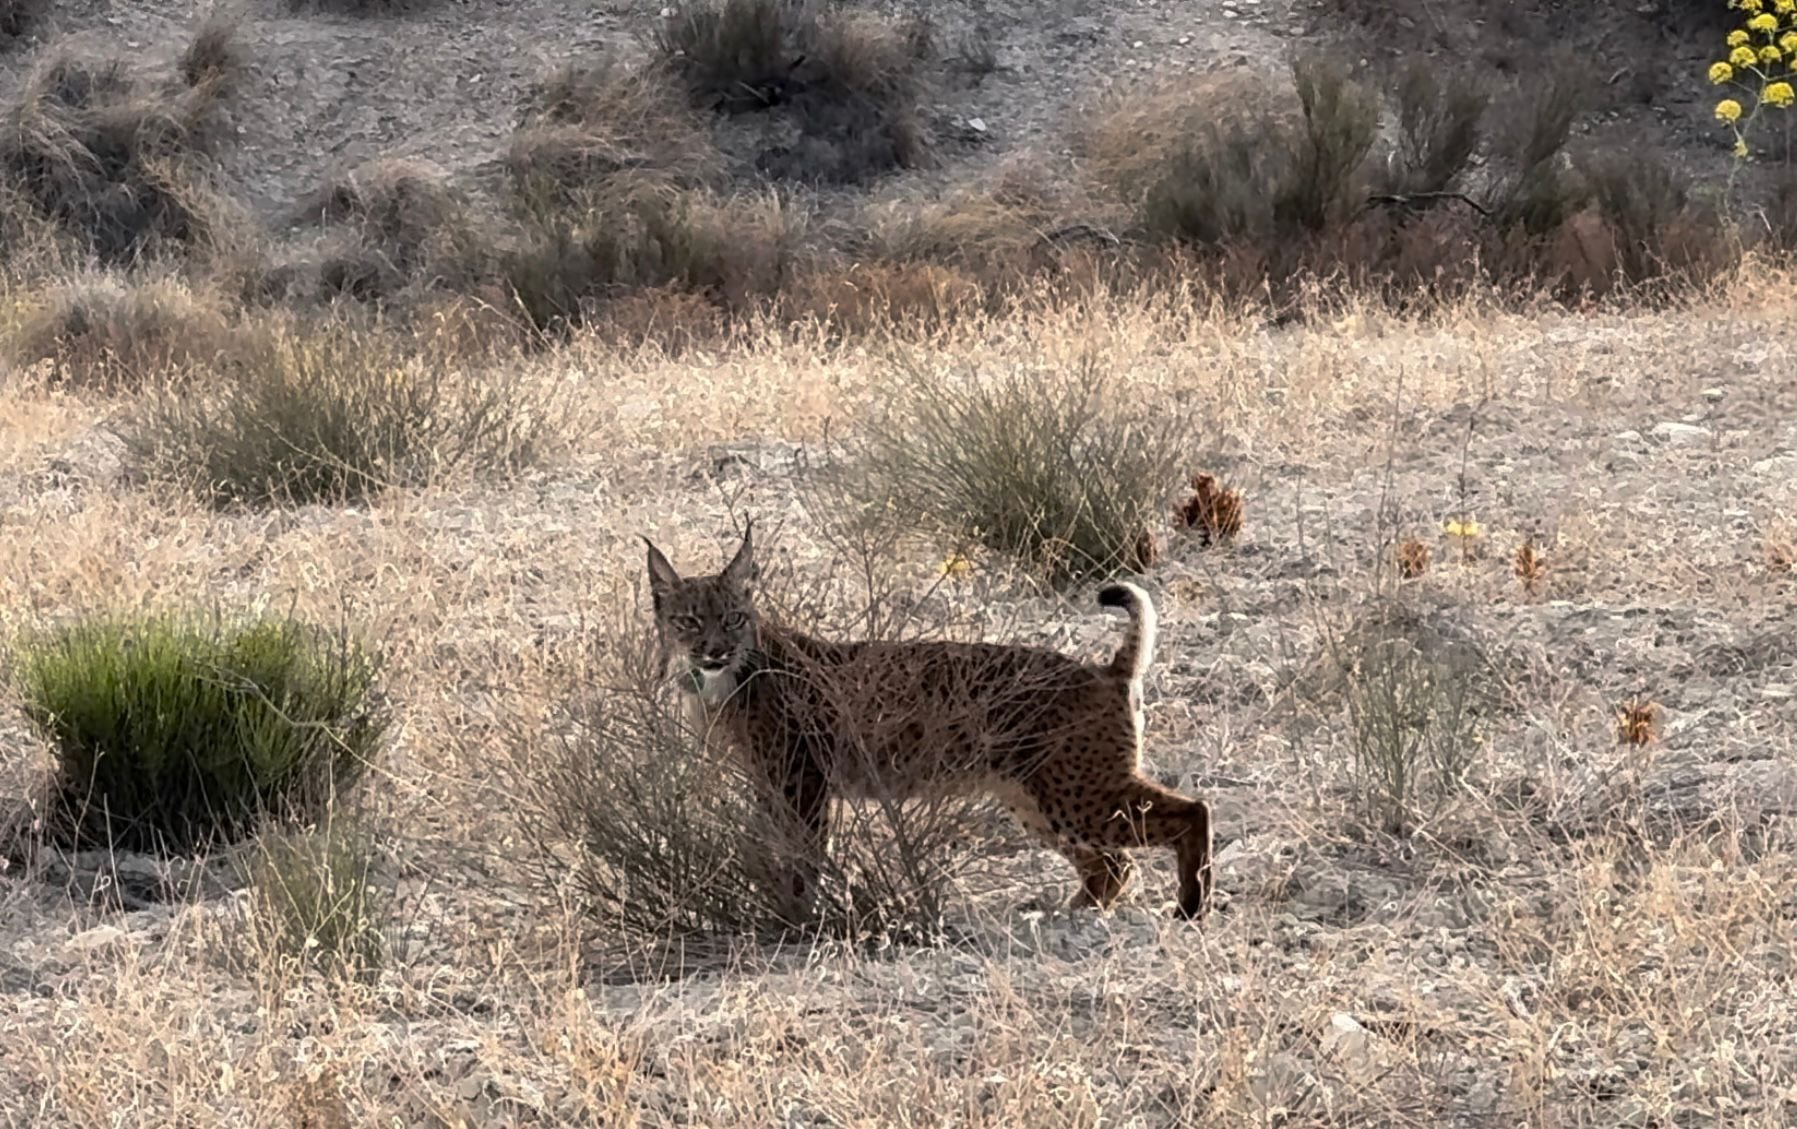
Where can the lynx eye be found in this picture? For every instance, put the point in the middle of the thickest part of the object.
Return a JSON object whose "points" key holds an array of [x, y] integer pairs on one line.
{"points": [[686, 623], [735, 620]]}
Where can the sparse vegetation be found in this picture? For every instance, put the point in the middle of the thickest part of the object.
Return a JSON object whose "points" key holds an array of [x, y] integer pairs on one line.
{"points": [[333, 416], [1419, 693], [1058, 469], [173, 733], [315, 900], [1572, 257]]}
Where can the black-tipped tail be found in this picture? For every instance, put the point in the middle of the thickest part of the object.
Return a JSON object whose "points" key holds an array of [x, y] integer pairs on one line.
{"points": [[1138, 641]]}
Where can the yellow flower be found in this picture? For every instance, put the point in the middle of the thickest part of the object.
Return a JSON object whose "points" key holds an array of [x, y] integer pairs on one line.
{"points": [[1789, 41], [955, 567], [1740, 147], [1743, 57], [1721, 73], [1765, 21], [1455, 528], [1787, 5], [1749, 5], [1770, 54], [1779, 94], [1737, 38], [1728, 110]]}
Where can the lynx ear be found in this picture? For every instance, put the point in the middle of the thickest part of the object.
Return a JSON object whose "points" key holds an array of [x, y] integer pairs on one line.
{"points": [[662, 577], [741, 570]]}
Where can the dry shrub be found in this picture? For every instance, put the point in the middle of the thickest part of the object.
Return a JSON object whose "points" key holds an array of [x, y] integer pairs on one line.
{"points": [[116, 159], [213, 59], [1061, 469], [736, 251], [1266, 180], [848, 84], [1419, 688], [658, 830], [316, 900], [590, 134], [1272, 200], [108, 333], [398, 224], [333, 415], [877, 298]]}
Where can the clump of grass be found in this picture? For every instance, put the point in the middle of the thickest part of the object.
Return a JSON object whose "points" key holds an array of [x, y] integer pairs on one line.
{"points": [[176, 732], [593, 134], [851, 82], [108, 333], [335, 416], [214, 58], [734, 251], [1054, 468], [315, 899], [117, 159], [1270, 178], [398, 223]]}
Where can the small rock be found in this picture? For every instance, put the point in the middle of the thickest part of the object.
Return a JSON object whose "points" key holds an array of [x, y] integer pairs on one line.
{"points": [[1627, 437], [1679, 434], [978, 125], [1712, 394]]}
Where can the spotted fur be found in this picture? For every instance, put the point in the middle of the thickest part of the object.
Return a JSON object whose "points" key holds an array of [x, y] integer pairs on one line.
{"points": [[1057, 741]]}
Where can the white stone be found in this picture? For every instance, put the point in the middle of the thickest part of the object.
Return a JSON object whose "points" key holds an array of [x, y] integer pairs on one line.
{"points": [[1679, 434]]}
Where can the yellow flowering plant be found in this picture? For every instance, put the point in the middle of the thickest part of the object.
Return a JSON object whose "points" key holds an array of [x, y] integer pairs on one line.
{"points": [[1761, 64]]}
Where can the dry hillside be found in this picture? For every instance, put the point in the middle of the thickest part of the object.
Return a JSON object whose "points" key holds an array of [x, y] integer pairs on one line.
{"points": [[1493, 694]]}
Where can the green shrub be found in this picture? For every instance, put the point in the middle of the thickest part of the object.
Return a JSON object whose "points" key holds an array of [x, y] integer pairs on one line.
{"points": [[316, 900], [1060, 470], [175, 732], [334, 416]]}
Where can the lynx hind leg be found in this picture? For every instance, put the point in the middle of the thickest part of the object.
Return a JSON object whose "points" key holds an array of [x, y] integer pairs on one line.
{"points": [[1098, 826]]}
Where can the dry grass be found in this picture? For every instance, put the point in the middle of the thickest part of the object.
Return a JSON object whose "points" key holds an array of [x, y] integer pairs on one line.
{"points": [[1584, 933]]}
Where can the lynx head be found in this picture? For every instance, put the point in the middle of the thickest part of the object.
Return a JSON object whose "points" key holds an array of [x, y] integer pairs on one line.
{"points": [[707, 624]]}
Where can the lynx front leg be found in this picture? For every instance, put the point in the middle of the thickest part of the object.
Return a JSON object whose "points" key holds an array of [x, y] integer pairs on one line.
{"points": [[800, 815]]}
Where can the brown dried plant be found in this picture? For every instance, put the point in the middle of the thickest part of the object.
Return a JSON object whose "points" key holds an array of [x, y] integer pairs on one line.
{"points": [[1637, 721], [1531, 566], [1413, 558], [1213, 510], [1781, 557]]}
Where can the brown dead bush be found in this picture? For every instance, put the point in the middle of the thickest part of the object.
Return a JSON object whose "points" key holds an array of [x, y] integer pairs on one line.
{"points": [[109, 333]]}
